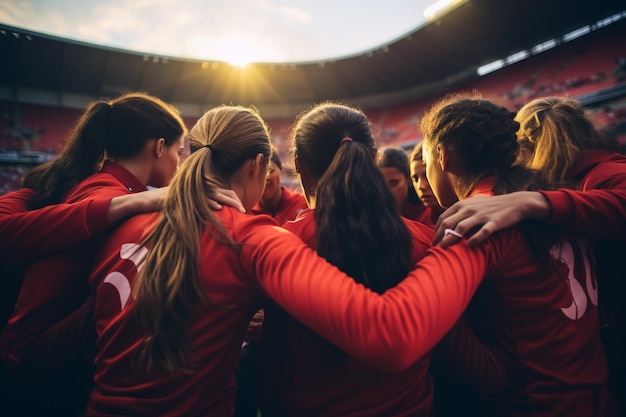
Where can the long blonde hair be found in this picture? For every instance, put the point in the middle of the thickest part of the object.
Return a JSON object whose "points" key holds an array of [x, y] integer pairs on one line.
{"points": [[168, 285], [553, 133]]}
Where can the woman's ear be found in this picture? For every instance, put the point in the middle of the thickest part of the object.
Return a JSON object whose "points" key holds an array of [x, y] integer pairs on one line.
{"points": [[258, 165], [443, 157], [297, 164], [159, 145]]}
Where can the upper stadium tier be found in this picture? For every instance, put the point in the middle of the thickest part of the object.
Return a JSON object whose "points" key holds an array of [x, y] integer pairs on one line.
{"points": [[432, 59]]}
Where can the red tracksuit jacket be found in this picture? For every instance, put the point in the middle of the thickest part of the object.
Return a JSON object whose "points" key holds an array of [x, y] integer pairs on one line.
{"points": [[544, 324]]}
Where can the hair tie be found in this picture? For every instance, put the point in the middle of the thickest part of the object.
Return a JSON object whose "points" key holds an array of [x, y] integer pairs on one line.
{"points": [[346, 139], [213, 151]]}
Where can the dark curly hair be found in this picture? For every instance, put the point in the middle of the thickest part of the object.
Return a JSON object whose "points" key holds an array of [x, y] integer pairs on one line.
{"points": [[483, 136]]}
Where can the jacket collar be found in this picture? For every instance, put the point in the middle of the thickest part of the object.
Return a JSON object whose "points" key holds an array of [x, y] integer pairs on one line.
{"points": [[124, 176]]}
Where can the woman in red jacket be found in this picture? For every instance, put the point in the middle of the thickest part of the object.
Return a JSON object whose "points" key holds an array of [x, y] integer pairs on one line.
{"points": [[539, 318], [175, 291], [394, 164], [278, 201], [117, 148], [354, 223], [563, 142]]}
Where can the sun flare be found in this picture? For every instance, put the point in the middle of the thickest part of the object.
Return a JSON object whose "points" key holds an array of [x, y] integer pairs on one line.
{"points": [[237, 51]]}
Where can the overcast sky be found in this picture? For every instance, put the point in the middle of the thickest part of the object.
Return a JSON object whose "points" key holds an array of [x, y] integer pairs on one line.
{"points": [[260, 30]]}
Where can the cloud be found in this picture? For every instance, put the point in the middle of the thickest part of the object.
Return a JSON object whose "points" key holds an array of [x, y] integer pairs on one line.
{"points": [[11, 11], [286, 11]]}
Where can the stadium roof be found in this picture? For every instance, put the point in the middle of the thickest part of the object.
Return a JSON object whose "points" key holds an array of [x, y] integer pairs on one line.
{"points": [[44, 69]]}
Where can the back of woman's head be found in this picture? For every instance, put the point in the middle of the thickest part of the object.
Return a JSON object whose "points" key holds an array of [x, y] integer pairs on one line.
{"points": [[553, 133], [483, 137], [168, 285], [135, 118], [317, 134], [395, 157], [358, 225], [116, 129], [234, 133]]}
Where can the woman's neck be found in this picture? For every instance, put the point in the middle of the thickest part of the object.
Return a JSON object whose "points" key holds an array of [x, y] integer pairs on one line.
{"points": [[138, 168]]}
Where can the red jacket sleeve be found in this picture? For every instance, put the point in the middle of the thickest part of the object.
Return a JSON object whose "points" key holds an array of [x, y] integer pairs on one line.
{"points": [[598, 213], [598, 209], [16, 201], [389, 331], [28, 235]]}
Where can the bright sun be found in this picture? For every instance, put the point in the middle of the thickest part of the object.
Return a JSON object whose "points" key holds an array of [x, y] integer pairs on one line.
{"points": [[237, 51]]}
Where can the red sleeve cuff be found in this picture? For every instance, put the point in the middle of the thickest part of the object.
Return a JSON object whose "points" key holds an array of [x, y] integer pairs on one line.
{"points": [[98, 216], [562, 208]]}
